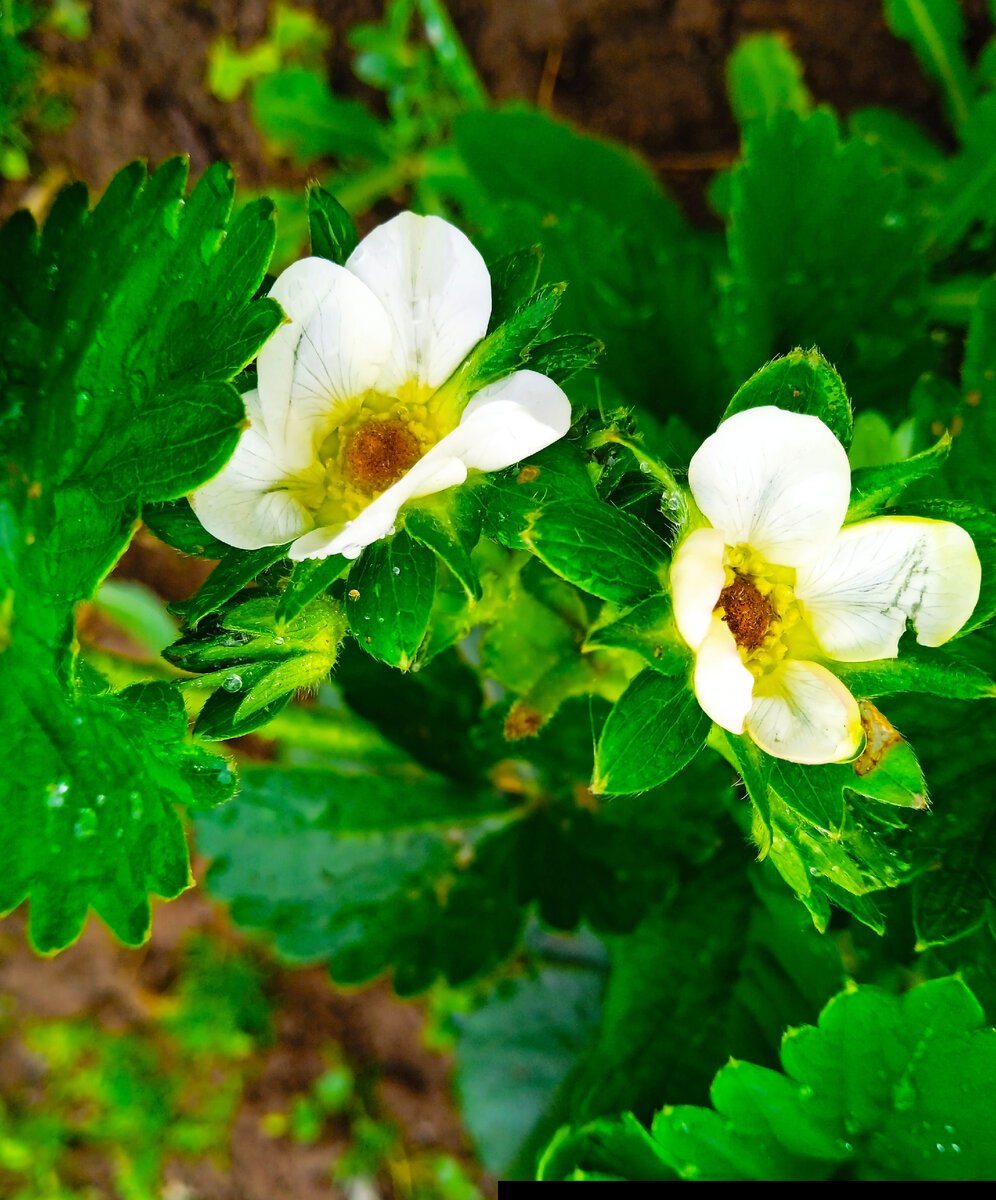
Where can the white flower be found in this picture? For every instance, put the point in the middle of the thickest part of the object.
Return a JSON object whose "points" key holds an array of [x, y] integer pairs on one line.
{"points": [[350, 419], [775, 587]]}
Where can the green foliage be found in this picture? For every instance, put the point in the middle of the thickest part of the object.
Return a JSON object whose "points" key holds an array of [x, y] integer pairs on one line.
{"points": [[884, 1087], [800, 381], [936, 30], [764, 78], [119, 411]]}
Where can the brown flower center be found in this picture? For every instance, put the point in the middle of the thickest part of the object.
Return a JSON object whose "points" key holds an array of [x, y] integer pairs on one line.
{"points": [[380, 452], [746, 611]]}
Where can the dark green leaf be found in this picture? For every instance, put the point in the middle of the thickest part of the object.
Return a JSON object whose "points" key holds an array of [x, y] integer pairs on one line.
{"points": [[390, 598], [654, 730], [175, 523], [449, 523], [936, 30], [230, 576], [309, 579], [804, 382], [513, 280], [648, 630], [561, 358]]}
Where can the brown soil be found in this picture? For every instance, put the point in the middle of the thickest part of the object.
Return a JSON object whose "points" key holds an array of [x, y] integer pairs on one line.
{"points": [[648, 72]]}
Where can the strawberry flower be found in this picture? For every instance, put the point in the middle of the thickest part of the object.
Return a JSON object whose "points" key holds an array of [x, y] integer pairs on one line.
{"points": [[776, 586], [351, 418]]}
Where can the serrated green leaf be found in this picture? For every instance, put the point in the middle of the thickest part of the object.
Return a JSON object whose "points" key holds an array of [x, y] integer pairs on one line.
{"points": [[903, 144], [654, 730], [390, 598], [107, 409], [802, 277], [886, 1087], [617, 1149], [936, 30], [449, 523], [961, 197], [561, 358], [804, 382], [175, 523], [932, 672], [555, 474], [333, 234], [309, 579], [764, 77]]}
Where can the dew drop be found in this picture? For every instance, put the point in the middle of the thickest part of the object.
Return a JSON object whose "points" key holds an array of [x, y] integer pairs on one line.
{"points": [[279, 641], [396, 570], [233, 683], [57, 793], [86, 823], [136, 805], [100, 800]]}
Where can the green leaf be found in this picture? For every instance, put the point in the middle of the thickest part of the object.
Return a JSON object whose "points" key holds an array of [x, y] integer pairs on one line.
{"points": [[106, 410], [654, 730], [961, 197], [886, 1087], [230, 576], [802, 277], [390, 598], [932, 672], [333, 234], [516, 1048], [804, 382], [936, 30], [561, 358], [606, 1149], [764, 77], [449, 523], [873, 489], [175, 523], [300, 116], [902, 143], [600, 549], [91, 824], [555, 474], [647, 630], [953, 899]]}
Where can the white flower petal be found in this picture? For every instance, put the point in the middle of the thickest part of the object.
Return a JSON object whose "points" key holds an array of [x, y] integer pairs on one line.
{"points": [[256, 498], [508, 421], [723, 685], [803, 713], [858, 595], [697, 577], [331, 350], [778, 481], [436, 290], [432, 473]]}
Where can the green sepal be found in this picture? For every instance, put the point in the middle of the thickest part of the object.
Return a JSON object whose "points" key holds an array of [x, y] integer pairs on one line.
{"points": [[608, 1148], [932, 672], [873, 489], [333, 234], [563, 357], [390, 598], [803, 382], [647, 630], [309, 579], [253, 666], [449, 523], [507, 348], [229, 577], [513, 281], [655, 728], [175, 523]]}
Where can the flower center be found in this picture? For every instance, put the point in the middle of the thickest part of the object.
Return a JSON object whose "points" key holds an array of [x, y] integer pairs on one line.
{"points": [[746, 611], [378, 453]]}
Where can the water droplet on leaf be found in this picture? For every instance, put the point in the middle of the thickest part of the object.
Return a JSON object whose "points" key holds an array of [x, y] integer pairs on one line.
{"points": [[233, 683]]}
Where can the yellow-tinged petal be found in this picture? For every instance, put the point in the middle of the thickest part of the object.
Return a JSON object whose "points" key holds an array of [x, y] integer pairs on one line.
{"points": [[697, 578], [858, 595], [803, 713], [723, 685]]}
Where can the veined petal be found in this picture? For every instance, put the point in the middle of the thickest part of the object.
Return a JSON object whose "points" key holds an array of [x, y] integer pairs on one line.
{"points": [[803, 713], [259, 496], [858, 595], [509, 420], [437, 293], [697, 577], [778, 481], [723, 685], [432, 473], [331, 350]]}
